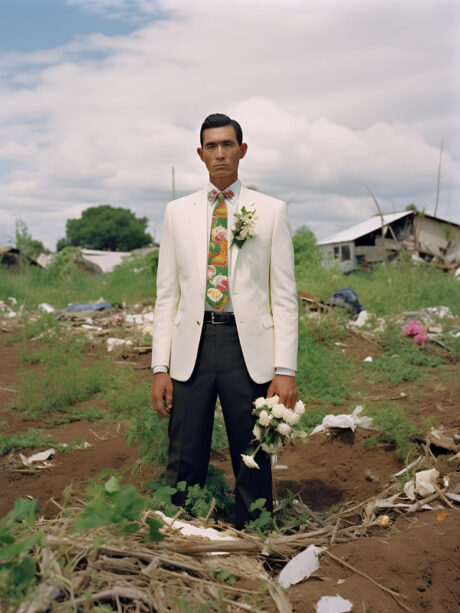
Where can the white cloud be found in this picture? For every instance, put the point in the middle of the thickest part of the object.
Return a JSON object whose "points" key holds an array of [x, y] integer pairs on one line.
{"points": [[331, 96]]}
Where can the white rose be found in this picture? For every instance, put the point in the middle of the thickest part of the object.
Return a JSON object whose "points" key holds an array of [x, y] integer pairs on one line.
{"points": [[299, 407], [284, 429], [270, 402], [257, 432], [264, 418], [259, 402], [249, 461], [278, 410], [290, 417]]}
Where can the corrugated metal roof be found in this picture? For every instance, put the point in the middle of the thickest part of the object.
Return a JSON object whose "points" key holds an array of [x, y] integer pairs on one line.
{"points": [[363, 228]]}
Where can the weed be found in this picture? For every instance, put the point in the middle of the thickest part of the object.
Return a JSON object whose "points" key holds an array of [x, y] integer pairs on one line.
{"points": [[17, 567], [34, 437], [118, 506], [395, 430], [64, 379], [265, 522]]}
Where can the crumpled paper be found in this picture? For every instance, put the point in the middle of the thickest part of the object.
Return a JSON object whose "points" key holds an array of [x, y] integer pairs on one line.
{"points": [[300, 567], [38, 460], [333, 604], [352, 421], [187, 529], [423, 485]]}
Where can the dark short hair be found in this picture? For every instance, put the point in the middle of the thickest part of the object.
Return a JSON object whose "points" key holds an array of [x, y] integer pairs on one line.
{"points": [[217, 120]]}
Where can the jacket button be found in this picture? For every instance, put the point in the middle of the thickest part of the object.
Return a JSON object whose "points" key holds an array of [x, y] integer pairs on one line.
{"points": [[197, 323]]}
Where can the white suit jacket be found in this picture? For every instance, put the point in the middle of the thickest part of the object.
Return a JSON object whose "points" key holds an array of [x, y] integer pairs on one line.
{"points": [[263, 286]]}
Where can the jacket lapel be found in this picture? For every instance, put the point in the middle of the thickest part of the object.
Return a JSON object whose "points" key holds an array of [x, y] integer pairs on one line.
{"points": [[243, 201], [199, 231]]}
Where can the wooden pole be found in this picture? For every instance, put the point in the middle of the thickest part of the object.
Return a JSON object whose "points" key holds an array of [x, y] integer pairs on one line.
{"points": [[439, 182]]}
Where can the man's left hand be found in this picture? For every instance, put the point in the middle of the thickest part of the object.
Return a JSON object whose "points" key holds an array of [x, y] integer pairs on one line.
{"points": [[284, 386]]}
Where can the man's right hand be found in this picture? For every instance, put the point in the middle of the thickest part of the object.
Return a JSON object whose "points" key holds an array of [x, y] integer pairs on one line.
{"points": [[162, 394]]}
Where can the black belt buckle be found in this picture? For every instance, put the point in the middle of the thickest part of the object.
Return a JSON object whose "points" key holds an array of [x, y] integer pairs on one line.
{"points": [[218, 319]]}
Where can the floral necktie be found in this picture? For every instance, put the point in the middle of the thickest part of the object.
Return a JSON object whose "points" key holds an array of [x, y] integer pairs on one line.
{"points": [[217, 275]]}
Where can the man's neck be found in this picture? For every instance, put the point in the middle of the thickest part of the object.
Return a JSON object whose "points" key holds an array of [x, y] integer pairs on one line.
{"points": [[223, 182]]}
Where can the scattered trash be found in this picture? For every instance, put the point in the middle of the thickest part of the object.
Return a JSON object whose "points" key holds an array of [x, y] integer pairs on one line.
{"points": [[346, 298], [38, 460], [46, 308], [439, 437], [89, 306], [83, 445], [361, 320], [368, 359], [188, 529], [113, 343], [300, 567], [384, 521], [117, 319], [333, 604], [425, 483], [352, 421]]}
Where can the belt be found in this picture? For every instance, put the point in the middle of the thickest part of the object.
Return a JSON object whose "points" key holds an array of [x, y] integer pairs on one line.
{"points": [[212, 317]]}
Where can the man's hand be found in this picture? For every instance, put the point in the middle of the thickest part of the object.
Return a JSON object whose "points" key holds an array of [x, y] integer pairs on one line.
{"points": [[162, 394], [284, 386]]}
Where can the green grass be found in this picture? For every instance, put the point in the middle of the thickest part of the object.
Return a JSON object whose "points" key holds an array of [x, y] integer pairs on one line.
{"points": [[63, 283], [386, 290], [324, 373], [394, 429], [402, 360], [64, 377]]}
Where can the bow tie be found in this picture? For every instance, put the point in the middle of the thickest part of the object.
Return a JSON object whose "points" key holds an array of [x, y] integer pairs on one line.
{"points": [[213, 195]]}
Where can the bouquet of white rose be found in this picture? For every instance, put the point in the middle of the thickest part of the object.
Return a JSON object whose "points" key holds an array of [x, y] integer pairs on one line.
{"points": [[275, 424]]}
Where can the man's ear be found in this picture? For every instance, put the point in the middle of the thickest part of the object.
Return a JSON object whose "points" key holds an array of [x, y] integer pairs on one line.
{"points": [[200, 153], [243, 149]]}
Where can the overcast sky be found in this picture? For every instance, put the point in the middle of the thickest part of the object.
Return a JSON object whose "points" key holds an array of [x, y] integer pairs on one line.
{"points": [[99, 99]]}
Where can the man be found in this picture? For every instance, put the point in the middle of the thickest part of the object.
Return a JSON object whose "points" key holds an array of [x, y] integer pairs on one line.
{"points": [[225, 319]]}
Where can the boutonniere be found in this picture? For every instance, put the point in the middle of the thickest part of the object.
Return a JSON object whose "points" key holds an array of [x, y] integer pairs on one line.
{"points": [[244, 227]]}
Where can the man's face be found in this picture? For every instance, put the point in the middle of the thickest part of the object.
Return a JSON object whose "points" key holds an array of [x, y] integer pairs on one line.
{"points": [[222, 154]]}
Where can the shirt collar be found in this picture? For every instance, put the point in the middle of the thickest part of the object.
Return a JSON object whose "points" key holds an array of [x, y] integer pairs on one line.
{"points": [[235, 187]]}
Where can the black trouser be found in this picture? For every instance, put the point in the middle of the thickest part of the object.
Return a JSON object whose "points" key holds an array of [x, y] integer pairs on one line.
{"points": [[219, 371]]}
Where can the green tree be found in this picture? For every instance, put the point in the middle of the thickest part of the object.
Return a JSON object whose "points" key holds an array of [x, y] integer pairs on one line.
{"points": [[108, 228], [306, 251]]}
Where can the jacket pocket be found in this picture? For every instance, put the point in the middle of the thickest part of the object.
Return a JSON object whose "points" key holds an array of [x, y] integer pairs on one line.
{"points": [[267, 320]]}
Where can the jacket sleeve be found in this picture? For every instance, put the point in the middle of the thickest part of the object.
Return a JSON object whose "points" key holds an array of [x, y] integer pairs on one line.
{"points": [[167, 296], [283, 293]]}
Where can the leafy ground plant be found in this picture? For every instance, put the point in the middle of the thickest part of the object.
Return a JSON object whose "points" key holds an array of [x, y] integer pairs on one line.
{"points": [[17, 566], [119, 506]]}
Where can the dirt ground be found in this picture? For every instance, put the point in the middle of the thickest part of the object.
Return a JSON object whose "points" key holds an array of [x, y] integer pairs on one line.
{"points": [[417, 555]]}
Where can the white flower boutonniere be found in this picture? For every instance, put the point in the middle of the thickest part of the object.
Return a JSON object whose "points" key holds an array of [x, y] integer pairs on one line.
{"points": [[244, 227]]}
